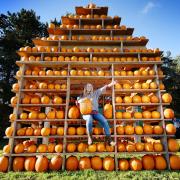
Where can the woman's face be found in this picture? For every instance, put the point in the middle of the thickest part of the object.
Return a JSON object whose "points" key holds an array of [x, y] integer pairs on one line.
{"points": [[89, 88]]}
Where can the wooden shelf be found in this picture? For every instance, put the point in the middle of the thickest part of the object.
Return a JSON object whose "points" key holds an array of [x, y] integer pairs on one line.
{"points": [[40, 42], [60, 31], [90, 21]]}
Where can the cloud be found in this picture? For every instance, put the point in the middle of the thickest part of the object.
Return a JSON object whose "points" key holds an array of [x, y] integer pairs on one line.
{"points": [[149, 6]]}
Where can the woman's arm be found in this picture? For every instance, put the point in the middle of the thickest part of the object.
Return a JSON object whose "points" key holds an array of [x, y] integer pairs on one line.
{"points": [[103, 89]]}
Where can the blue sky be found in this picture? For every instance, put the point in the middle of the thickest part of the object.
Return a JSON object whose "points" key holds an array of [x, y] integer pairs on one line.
{"points": [[158, 20]]}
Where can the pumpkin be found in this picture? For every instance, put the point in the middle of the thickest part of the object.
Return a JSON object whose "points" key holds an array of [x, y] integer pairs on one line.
{"points": [[55, 163], [136, 99], [126, 115], [135, 164], [73, 113], [18, 163], [168, 113], [137, 115], [130, 148], [154, 99], [120, 130], [138, 130], [60, 131], [81, 131], [81, 147], [100, 147], [157, 129], [51, 148], [58, 148], [108, 163], [173, 145], [123, 164], [155, 115], [96, 163], [166, 98], [160, 162], [84, 163], [139, 146], [42, 148], [109, 148], [92, 148], [158, 147], [9, 131], [31, 149], [118, 99], [29, 163], [71, 131], [85, 106], [148, 147], [71, 147], [118, 115], [45, 131], [121, 147], [108, 111], [147, 129], [129, 130], [148, 162], [170, 129], [174, 162], [45, 100], [6, 149], [19, 148], [4, 162], [97, 131], [41, 164], [72, 163], [146, 114]]}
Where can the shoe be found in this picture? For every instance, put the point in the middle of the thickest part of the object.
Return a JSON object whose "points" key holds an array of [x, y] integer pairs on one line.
{"points": [[90, 140], [109, 141]]}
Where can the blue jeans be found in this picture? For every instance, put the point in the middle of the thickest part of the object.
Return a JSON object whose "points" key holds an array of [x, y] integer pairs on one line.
{"points": [[100, 118]]}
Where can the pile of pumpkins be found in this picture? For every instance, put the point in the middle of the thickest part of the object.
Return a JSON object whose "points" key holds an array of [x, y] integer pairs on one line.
{"points": [[43, 164], [87, 72]]}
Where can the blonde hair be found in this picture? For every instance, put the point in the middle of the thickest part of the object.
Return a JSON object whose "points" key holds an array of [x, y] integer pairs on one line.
{"points": [[85, 93]]}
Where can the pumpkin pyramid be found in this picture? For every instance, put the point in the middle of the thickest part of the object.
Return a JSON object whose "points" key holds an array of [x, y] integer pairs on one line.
{"points": [[90, 47]]}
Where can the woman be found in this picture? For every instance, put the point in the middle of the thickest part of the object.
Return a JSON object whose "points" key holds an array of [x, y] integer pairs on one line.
{"points": [[94, 96]]}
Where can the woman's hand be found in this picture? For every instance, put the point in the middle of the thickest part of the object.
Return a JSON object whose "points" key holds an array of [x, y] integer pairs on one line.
{"points": [[112, 83]]}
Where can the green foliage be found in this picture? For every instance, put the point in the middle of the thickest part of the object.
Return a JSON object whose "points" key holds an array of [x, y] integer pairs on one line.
{"points": [[16, 30]]}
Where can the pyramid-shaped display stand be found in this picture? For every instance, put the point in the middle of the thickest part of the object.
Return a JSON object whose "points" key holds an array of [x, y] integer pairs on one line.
{"points": [[88, 47]]}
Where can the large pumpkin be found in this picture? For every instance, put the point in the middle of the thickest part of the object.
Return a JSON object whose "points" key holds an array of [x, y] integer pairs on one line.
{"points": [[85, 106], [96, 163], [73, 112], [166, 98], [148, 162], [160, 162], [123, 165], [41, 164], [168, 113], [170, 129], [72, 163], [135, 164], [55, 163], [29, 163], [108, 163], [18, 164], [108, 111], [174, 162], [84, 163], [4, 162]]}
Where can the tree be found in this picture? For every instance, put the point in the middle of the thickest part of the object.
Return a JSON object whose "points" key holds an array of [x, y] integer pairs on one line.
{"points": [[16, 30], [171, 69]]}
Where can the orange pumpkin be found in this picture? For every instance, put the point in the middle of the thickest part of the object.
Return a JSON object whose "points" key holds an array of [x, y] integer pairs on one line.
{"points": [[73, 113], [147, 129], [158, 147], [100, 147], [81, 147], [19, 148], [60, 131], [138, 130], [71, 147], [130, 148], [123, 164], [81, 131], [160, 162], [92, 148], [121, 147], [51, 147], [18, 163], [148, 162], [173, 145], [86, 106], [108, 163], [170, 129], [135, 164], [45, 131], [139, 146], [168, 113], [148, 147], [41, 164], [166, 98], [157, 129], [174, 162], [31, 149], [29, 163], [4, 162], [120, 130], [72, 163], [107, 111], [9, 131], [55, 163], [96, 163], [129, 130], [84, 163], [6, 149], [42, 148], [71, 131]]}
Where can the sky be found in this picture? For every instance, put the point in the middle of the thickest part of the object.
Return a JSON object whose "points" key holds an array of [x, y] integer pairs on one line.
{"points": [[158, 20]]}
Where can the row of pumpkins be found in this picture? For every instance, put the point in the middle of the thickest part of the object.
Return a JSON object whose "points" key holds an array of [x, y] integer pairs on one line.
{"points": [[120, 130], [87, 59], [71, 147], [43, 164], [93, 38], [88, 16], [77, 49], [151, 98], [37, 71]]}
